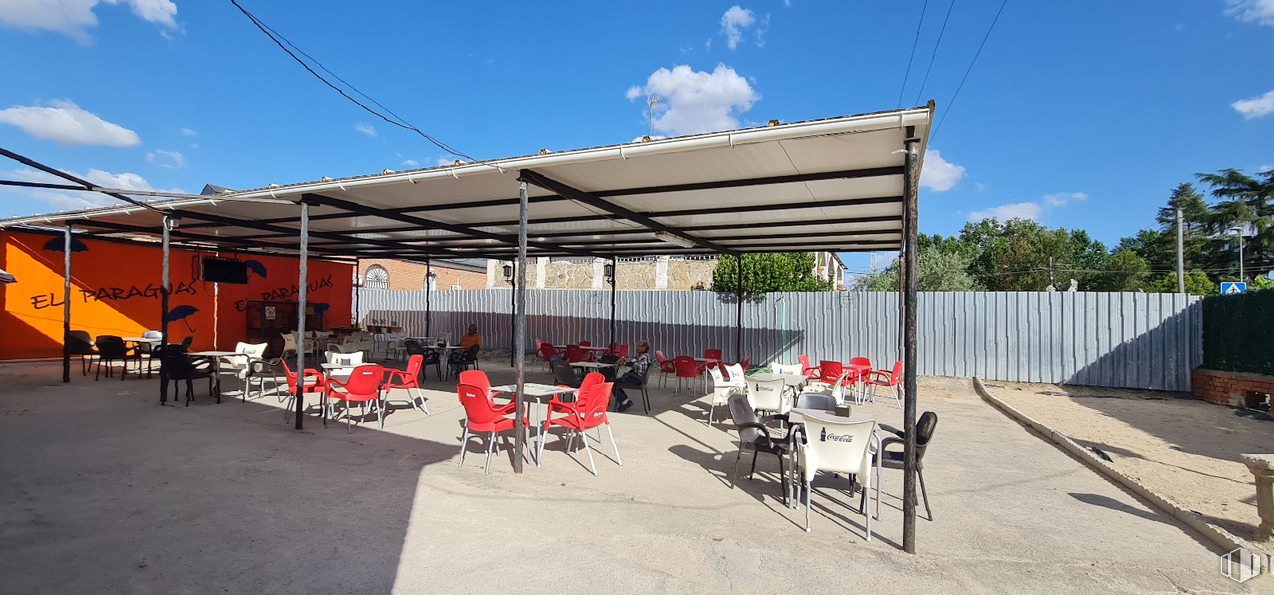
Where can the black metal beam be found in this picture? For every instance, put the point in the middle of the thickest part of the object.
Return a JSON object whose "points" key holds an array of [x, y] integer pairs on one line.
{"points": [[596, 202], [425, 223], [873, 172]]}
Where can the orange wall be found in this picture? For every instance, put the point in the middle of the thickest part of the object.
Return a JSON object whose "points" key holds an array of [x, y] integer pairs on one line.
{"points": [[115, 291]]}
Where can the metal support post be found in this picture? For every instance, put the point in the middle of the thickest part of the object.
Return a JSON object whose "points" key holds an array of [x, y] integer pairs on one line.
{"points": [[301, 284], [66, 306], [910, 210], [519, 335], [738, 329], [165, 288], [1181, 258], [428, 294], [614, 283]]}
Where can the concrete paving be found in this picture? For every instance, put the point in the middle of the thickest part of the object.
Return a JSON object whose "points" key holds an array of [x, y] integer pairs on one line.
{"points": [[105, 491]]}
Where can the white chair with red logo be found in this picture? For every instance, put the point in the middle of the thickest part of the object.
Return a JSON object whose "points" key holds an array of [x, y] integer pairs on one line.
{"points": [[836, 445]]}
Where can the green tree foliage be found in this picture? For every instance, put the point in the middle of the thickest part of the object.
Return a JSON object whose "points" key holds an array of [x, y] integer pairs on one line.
{"points": [[1197, 283], [763, 273], [937, 270]]}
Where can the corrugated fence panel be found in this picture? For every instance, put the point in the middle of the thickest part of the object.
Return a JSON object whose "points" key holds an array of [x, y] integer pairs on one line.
{"points": [[1123, 340]]}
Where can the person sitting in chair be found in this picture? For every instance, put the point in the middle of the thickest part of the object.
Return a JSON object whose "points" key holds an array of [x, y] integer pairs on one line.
{"points": [[470, 343], [634, 378]]}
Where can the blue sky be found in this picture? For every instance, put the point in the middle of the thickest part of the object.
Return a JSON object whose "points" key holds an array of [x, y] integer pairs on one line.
{"points": [[1081, 114]]}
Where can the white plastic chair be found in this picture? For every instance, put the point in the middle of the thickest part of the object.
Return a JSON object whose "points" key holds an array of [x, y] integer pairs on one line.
{"points": [[786, 369], [737, 377], [722, 391], [241, 366], [769, 395], [838, 445]]}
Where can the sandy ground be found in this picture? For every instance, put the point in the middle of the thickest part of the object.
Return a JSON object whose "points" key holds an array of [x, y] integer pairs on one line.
{"points": [[105, 491], [1177, 445]]}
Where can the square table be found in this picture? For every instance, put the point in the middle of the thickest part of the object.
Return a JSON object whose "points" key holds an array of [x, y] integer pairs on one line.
{"points": [[539, 393], [216, 356], [594, 365], [137, 341]]}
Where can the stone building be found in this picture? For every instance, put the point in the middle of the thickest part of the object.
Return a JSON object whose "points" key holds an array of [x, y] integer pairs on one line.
{"points": [[674, 273]]}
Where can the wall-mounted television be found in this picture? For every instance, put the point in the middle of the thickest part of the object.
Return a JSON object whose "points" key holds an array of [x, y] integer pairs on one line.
{"points": [[224, 270]]}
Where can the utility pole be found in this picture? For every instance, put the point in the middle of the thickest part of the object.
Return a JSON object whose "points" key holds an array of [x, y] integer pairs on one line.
{"points": [[1050, 273], [1181, 258]]}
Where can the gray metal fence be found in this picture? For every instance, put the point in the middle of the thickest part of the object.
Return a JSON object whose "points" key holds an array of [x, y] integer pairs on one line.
{"points": [[1127, 340]]}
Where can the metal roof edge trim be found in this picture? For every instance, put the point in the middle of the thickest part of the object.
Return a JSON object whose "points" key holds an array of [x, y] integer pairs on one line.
{"points": [[111, 210], [844, 125]]}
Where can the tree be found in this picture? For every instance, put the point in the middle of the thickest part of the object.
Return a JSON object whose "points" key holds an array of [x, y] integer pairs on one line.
{"points": [[936, 271], [1197, 283], [766, 272], [1124, 271], [1244, 200]]}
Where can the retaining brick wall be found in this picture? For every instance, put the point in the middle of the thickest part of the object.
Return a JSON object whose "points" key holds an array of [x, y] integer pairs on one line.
{"points": [[1236, 389]]}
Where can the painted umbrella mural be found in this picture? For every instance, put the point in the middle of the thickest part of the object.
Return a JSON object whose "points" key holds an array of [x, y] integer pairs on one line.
{"points": [[256, 267], [180, 313], [58, 244]]}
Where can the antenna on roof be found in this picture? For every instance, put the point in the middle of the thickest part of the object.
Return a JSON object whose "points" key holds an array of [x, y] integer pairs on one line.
{"points": [[651, 101]]}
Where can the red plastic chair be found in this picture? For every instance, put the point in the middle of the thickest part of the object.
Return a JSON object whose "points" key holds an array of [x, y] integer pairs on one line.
{"points": [[890, 380], [623, 352], [317, 387], [712, 354], [587, 412], [613, 350], [806, 369], [481, 415], [409, 380], [585, 343], [745, 362], [546, 353], [859, 375], [828, 372], [665, 366], [363, 387], [575, 354], [685, 366], [476, 378]]}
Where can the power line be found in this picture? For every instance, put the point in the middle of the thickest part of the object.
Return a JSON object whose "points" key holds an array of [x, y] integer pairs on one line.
{"points": [[935, 51], [398, 121], [970, 69], [913, 53]]}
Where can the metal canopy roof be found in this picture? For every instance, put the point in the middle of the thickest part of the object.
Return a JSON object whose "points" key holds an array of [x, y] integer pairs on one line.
{"points": [[833, 184]]}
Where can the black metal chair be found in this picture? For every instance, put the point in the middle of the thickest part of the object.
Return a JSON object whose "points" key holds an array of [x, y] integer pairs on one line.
{"points": [[81, 344], [563, 373], [111, 349], [463, 360], [413, 347], [754, 435], [893, 459], [175, 365]]}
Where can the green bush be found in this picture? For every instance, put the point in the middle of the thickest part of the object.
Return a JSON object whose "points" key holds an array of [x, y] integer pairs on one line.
{"points": [[1238, 332]]}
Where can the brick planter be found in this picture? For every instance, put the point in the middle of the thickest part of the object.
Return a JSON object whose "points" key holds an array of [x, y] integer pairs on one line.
{"points": [[1236, 389]]}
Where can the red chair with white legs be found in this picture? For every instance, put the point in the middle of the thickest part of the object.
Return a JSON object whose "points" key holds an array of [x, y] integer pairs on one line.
{"points": [[807, 370], [476, 378], [712, 354], [409, 381], [362, 387], [587, 412], [312, 383], [859, 369], [665, 366], [686, 367], [481, 415], [891, 380]]}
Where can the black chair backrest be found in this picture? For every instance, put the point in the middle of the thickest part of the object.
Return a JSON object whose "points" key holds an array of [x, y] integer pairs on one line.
{"points": [[471, 354], [924, 431], [173, 362], [815, 401], [741, 412], [563, 373], [111, 347], [608, 373], [413, 347], [79, 343]]}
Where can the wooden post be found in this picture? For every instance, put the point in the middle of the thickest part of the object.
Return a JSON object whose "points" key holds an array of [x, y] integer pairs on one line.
{"points": [[519, 334], [300, 317], [66, 306], [911, 215]]}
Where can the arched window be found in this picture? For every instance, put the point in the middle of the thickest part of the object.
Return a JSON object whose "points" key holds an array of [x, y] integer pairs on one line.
{"points": [[376, 278]]}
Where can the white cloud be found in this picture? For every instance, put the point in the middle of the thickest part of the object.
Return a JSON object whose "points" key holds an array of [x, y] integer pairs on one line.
{"points": [[733, 22], [72, 17], [937, 174], [446, 161], [168, 159], [64, 199], [367, 129], [707, 45], [188, 132], [1252, 11], [761, 30], [697, 101], [411, 163], [1061, 198], [1021, 210], [66, 124], [1256, 107]]}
